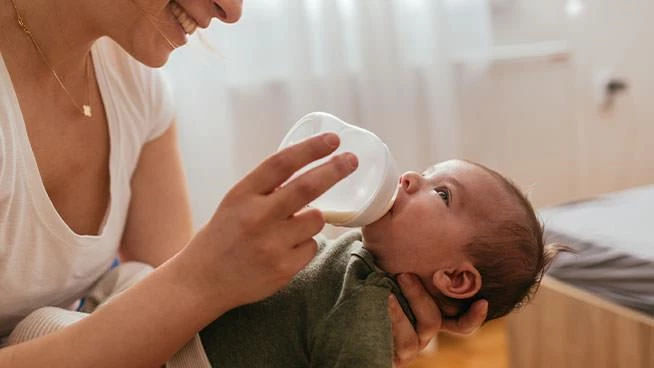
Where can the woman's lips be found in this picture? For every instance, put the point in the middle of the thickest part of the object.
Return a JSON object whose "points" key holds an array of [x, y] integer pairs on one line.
{"points": [[183, 18]]}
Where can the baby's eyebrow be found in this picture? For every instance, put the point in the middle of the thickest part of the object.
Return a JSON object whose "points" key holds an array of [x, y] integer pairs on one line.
{"points": [[456, 183], [461, 190]]}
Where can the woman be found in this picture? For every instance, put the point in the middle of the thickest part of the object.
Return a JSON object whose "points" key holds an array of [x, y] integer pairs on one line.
{"points": [[90, 168]]}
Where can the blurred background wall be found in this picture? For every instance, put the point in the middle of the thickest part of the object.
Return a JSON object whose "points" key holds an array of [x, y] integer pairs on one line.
{"points": [[516, 84]]}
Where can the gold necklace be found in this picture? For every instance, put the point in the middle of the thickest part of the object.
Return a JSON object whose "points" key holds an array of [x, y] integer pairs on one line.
{"points": [[85, 109]]}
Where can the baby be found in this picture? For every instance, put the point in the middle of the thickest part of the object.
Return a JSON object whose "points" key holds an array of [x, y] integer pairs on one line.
{"points": [[463, 229]]}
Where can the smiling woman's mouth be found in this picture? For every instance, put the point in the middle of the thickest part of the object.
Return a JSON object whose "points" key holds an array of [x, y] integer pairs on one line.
{"points": [[185, 20]]}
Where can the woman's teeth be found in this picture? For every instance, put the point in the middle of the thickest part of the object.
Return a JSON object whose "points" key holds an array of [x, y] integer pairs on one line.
{"points": [[185, 20]]}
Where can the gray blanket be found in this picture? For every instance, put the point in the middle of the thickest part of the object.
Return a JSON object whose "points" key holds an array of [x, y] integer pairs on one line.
{"points": [[612, 237]]}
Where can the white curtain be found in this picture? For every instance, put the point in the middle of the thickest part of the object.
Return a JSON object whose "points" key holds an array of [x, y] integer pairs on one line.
{"points": [[381, 64]]}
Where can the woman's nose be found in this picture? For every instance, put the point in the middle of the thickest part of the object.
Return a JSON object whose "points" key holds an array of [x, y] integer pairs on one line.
{"points": [[229, 11], [411, 181]]}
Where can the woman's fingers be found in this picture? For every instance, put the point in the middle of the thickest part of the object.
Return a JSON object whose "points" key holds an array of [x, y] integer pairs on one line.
{"points": [[303, 254], [259, 237], [427, 313], [310, 185], [408, 341], [277, 168], [470, 321], [301, 226], [405, 339]]}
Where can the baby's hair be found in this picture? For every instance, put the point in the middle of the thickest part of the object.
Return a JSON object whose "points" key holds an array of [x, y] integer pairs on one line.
{"points": [[509, 279]]}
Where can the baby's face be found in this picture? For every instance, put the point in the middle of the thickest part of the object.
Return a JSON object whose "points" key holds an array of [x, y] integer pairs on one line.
{"points": [[434, 217]]}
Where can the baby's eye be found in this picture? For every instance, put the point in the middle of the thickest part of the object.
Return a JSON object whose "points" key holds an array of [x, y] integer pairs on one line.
{"points": [[444, 193]]}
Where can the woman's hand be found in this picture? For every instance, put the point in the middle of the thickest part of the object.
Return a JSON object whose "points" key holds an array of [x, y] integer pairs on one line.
{"points": [[469, 322], [261, 234], [407, 341]]}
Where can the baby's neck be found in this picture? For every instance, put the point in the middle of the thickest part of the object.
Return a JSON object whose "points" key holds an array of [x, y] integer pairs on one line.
{"points": [[448, 311]]}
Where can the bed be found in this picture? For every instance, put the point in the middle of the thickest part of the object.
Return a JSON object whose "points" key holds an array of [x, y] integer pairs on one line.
{"points": [[595, 308]]}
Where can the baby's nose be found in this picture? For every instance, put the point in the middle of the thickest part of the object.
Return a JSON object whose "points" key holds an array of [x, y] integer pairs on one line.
{"points": [[410, 181]]}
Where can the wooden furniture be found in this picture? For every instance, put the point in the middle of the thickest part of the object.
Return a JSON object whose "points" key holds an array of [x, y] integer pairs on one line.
{"points": [[487, 348], [565, 327]]}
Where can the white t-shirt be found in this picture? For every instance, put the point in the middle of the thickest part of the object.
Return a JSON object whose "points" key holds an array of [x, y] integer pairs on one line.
{"points": [[42, 261]]}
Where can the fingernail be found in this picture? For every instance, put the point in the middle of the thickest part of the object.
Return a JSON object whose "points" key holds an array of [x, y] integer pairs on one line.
{"points": [[352, 160], [331, 140]]}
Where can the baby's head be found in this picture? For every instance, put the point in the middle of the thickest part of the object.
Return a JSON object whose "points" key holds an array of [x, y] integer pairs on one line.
{"points": [[468, 233]]}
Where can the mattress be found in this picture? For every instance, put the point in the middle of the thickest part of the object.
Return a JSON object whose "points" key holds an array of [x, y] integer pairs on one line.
{"points": [[613, 239]]}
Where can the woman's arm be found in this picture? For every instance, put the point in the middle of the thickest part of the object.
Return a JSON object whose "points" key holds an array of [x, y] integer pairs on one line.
{"points": [[141, 327], [159, 219], [253, 245]]}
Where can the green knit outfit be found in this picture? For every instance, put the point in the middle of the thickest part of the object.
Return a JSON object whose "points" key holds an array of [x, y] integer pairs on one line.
{"points": [[334, 313]]}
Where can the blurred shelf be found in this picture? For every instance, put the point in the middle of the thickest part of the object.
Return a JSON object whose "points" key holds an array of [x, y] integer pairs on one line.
{"points": [[536, 51]]}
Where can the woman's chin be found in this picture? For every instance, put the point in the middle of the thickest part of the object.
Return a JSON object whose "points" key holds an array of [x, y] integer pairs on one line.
{"points": [[154, 57], [157, 58], [157, 62]]}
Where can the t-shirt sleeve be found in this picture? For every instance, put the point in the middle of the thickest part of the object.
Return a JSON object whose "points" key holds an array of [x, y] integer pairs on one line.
{"points": [[356, 333], [161, 111]]}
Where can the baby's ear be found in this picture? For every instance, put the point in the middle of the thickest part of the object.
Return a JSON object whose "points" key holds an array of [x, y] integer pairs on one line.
{"points": [[461, 282]]}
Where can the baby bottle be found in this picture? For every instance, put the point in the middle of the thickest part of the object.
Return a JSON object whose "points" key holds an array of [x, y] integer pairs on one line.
{"points": [[369, 192]]}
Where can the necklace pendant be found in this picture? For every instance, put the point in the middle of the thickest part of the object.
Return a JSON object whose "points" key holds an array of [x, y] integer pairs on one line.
{"points": [[86, 109]]}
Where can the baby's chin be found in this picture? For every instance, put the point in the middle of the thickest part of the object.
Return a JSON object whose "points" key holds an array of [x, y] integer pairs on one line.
{"points": [[373, 239], [379, 225], [377, 239], [373, 233]]}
